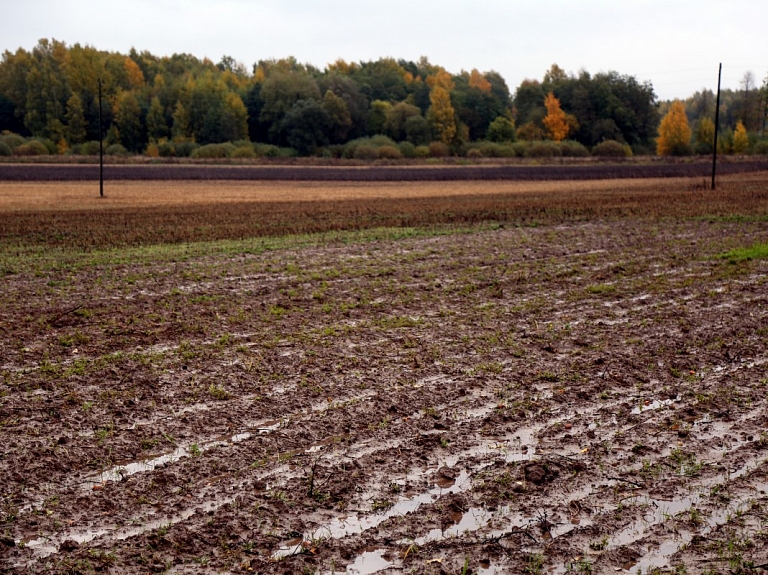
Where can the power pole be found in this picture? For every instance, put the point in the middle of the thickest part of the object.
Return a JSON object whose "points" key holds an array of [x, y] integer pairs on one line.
{"points": [[101, 150], [717, 126]]}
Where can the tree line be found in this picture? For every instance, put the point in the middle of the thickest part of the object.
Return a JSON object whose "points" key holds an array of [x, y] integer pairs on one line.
{"points": [[175, 105]]}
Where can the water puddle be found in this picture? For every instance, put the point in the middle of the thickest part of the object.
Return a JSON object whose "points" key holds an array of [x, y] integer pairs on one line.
{"points": [[123, 470], [369, 562], [340, 527], [696, 504], [652, 405]]}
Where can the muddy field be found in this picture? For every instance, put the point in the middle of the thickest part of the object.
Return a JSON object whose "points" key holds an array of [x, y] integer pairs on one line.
{"points": [[379, 173], [582, 396]]}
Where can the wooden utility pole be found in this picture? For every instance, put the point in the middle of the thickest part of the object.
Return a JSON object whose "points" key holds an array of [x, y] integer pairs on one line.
{"points": [[717, 125], [101, 150]]}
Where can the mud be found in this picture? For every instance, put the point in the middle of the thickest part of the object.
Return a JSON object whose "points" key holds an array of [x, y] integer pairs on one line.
{"points": [[656, 168], [583, 397]]}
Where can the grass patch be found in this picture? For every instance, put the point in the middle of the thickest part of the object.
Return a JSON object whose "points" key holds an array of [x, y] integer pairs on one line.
{"points": [[18, 259], [754, 252]]}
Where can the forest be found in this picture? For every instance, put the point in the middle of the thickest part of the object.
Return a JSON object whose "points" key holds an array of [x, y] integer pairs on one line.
{"points": [[384, 109]]}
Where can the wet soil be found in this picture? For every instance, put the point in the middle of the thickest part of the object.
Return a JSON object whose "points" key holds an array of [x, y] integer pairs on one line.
{"points": [[594, 170], [587, 397]]}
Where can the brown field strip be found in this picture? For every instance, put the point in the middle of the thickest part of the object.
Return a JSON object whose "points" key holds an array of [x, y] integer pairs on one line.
{"points": [[71, 214], [146, 194]]}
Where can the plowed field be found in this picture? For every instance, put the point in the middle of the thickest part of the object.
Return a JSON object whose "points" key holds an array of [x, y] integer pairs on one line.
{"points": [[579, 389]]}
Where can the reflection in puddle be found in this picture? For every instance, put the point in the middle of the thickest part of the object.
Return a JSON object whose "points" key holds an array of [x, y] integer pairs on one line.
{"points": [[368, 563], [119, 472], [655, 404], [659, 510], [340, 527]]}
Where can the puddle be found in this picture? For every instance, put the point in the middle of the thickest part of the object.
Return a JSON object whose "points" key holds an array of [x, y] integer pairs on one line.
{"points": [[652, 405], [369, 562], [121, 471], [660, 510], [340, 527]]}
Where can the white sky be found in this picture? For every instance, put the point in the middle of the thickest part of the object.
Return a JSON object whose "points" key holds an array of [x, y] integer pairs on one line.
{"points": [[676, 44]]}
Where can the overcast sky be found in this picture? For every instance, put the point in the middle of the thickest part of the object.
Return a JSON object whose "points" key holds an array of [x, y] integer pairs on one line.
{"points": [[675, 44]]}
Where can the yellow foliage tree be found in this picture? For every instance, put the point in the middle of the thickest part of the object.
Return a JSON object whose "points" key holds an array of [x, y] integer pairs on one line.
{"points": [[477, 80], [135, 75], [556, 120], [441, 114], [674, 133], [740, 139]]}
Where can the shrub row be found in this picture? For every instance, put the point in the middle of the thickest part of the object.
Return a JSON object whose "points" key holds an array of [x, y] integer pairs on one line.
{"points": [[367, 149]]}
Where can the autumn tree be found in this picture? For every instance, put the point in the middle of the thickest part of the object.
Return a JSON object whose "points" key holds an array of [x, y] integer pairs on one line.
{"points": [[556, 120], [134, 74], [740, 139], [704, 136], [674, 133], [477, 80], [441, 113]]}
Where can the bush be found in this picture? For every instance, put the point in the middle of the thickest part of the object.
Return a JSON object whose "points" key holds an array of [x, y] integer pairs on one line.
{"points": [[702, 148], [116, 150], [270, 151], [474, 153], [422, 151], [184, 149], [501, 130], [612, 149], [761, 147], [12, 140], [495, 150], [366, 152], [5, 149], [244, 152], [166, 149], [520, 148], [49, 145], [31, 148], [375, 142], [210, 151], [572, 149], [439, 150], [90, 148], [543, 150], [153, 151], [389, 153], [407, 149]]}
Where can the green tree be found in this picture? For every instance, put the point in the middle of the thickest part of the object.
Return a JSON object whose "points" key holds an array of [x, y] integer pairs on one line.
{"points": [[180, 130], [306, 126], [502, 129], [128, 122], [674, 133], [157, 127], [280, 92], [234, 119], [338, 112], [418, 131], [396, 118], [47, 91], [76, 127], [377, 116]]}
